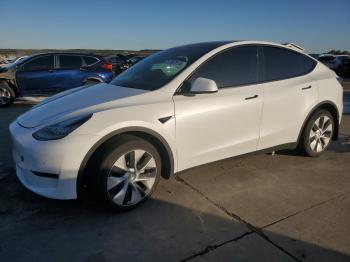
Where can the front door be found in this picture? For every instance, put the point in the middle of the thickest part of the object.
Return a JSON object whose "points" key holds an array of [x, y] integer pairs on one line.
{"points": [[219, 125], [36, 75]]}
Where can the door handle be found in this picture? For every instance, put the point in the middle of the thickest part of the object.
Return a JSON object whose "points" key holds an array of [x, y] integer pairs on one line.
{"points": [[251, 97], [51, 70], [308, 87]]}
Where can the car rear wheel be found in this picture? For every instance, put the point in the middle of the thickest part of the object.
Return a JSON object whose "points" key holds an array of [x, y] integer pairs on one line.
{"points": [[127, 172], [7, 95], [91, 82], [318, 134]]}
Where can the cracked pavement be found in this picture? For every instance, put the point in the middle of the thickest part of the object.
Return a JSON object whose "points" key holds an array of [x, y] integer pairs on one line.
{"points": [[261, 207]]}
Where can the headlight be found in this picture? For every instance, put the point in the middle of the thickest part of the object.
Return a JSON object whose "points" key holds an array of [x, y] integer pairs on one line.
{"points": [[61, 129]]}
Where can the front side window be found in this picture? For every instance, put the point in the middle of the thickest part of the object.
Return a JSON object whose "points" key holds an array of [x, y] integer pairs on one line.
{"points": [[39, 63], [160, 68], [282, 63], [234, 67], [69, 61]]}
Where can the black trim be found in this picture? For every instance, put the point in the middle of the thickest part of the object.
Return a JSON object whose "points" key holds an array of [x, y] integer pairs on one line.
{"points": [[42, 174], [287, 146], [190, 93], [165, 119]]}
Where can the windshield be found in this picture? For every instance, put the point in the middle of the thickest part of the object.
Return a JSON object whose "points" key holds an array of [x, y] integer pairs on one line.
{"points": [[160, 68]]}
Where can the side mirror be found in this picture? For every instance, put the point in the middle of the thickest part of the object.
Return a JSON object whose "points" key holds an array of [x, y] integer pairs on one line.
{"points": [[203, 85]]}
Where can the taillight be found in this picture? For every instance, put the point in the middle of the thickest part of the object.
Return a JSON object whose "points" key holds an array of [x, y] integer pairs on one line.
{"points": [[107, 66]]}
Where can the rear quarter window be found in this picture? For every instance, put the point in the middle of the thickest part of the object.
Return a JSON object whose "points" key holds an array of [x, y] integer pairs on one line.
{"points": [[281, 63], [89, 60]]}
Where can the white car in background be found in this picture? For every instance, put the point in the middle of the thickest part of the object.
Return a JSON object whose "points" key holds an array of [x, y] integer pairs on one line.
{"points": [[177, 109]]}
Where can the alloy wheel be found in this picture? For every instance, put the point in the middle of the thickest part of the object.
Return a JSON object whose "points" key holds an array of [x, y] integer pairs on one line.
{"points": [[131, 178], [321, 133], [5, 96]]}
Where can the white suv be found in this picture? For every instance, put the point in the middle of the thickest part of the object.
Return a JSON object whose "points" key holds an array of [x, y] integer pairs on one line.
{"points": [[179, 108]]}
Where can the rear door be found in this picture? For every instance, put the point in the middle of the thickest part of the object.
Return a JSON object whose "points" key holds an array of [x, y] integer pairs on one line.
{"points": [[70, 71], [35, 76], [289, 93]]}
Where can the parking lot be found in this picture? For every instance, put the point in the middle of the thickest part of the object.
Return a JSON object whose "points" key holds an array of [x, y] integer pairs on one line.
{"points": [[262, 207]]}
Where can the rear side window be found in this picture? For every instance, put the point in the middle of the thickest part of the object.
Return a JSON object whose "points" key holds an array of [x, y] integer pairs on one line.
{"points": [[89, 60], [234, 67], [69, 61], [39, 63], [281, 63]]}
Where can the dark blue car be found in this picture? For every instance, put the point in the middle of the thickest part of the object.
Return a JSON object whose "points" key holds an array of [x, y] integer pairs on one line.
{"points": [[47, 74]]}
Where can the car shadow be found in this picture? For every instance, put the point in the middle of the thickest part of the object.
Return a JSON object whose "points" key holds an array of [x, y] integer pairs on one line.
{"points": [[161, 229]]}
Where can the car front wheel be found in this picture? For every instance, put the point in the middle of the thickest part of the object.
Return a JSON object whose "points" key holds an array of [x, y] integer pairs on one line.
{"points": [[7, 95], [126, 173]]}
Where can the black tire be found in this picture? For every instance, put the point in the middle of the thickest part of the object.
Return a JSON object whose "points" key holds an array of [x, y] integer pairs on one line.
{"points": [[101, 170], [7, 95], [314, 146]]}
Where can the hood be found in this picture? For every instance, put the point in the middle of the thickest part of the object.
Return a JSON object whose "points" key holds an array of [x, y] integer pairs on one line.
{"points": [[82, 99]]}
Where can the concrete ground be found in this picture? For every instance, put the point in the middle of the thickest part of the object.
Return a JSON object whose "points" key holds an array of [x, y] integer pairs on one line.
{"points": [[260, 207]]}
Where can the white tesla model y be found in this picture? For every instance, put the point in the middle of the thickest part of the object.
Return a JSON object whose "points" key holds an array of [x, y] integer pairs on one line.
{"points": [[179, 108]]}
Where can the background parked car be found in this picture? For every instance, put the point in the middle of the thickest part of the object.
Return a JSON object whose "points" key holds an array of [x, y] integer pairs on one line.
{"points": [[46, 74], [326, 59], [338, 63], [344, 68], [118, 62], [316, 56], [133, 60]]}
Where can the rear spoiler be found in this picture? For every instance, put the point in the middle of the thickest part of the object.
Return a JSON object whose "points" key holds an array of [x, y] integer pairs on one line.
{"points": [[294, 46]]}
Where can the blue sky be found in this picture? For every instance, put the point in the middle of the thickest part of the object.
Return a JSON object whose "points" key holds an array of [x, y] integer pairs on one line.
{"points": [[317, 25]]}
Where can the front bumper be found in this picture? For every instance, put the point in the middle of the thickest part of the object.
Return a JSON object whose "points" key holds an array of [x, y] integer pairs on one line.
{"points": [[49, 168]]}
